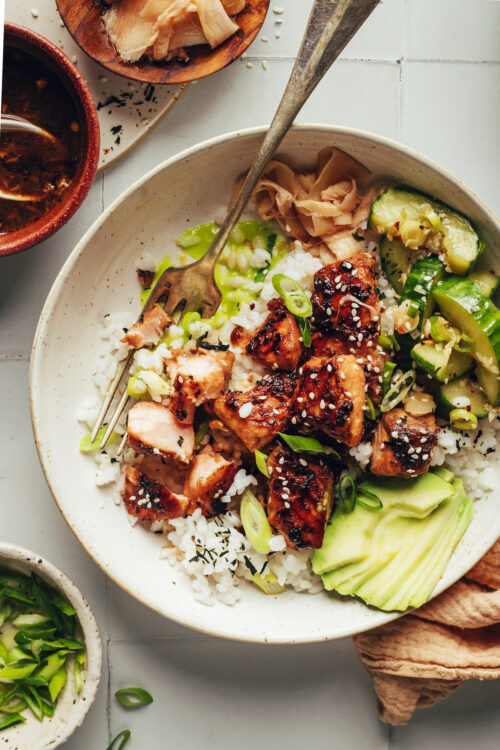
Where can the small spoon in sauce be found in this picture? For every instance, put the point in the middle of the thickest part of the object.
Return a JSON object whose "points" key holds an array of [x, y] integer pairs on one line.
{"points": [[13, 123]]}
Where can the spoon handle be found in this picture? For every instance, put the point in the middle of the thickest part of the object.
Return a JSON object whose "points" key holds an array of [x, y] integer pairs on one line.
{"points": [[331, 25]]}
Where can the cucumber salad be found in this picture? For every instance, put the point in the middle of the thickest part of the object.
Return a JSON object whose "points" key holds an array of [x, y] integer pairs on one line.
{"points": [[330, 427]]}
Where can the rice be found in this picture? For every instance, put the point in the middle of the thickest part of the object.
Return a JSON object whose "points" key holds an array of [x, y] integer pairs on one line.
{"points": [[212, 553]]}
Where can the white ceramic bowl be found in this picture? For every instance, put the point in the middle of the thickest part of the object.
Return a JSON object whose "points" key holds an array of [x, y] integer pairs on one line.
{"points": [[71, 706], [99, 277]]}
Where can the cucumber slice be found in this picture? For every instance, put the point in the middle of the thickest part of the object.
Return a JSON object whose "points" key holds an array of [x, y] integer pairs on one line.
{"points": [[487, 281], [433, 225], [396, 262], [490, 384], [461, 394], [459, 364], [424, 275], [431, 358], [467, 308]]}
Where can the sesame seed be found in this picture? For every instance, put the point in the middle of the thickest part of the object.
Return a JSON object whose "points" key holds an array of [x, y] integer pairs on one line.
{"points": [[281, 461], [249, 65], [245, 410], [322, 404], [300, 399], [425, 456], [329, 368], [286, 504], [348, 394], [329, 311], [302, 462], [304, 414], [313, 375], [34, 13], [264, 64], [331, 406], [294, 420], [311, 395]]}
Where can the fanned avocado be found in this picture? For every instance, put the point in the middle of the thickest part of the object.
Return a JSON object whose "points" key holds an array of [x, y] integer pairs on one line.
{"points": [[411, 540]]}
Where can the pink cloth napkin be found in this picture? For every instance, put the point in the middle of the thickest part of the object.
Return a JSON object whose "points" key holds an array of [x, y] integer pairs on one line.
{"points": [[421, 658]]}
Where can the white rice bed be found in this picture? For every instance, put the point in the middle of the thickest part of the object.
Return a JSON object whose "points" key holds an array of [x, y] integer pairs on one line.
{"points": [[212, 553]]}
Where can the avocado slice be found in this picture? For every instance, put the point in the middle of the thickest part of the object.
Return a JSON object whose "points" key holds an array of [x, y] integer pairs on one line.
{"points": [[444, 473], [410, 577], [393, 558], [423, 579], [349, 536]]}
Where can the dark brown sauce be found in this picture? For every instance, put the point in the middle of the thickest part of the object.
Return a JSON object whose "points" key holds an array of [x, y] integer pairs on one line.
{"points": [[30, 164]]}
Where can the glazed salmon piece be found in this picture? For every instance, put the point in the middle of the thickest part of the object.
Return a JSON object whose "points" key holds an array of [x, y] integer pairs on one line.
{"points": [[300, 497], [209, 478], [277, 343], [149, 329], [345, 299], [152, 428], [368, 353], [402, 444], [148, 500], [257, 415], [331, 397], [196, 378]]}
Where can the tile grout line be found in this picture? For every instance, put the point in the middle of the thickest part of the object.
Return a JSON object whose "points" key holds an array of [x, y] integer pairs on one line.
{"points": [[13, 357]]}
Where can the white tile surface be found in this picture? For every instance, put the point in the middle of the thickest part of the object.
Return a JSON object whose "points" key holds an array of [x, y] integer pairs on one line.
{"points": [[451, 112], [216, 694], [453, 30]]}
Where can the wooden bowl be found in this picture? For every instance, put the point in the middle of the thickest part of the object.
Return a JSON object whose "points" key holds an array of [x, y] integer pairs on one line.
{"points": [[83, 20], [41, 49]]}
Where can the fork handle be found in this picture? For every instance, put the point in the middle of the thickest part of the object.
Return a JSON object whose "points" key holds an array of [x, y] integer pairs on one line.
{"points": [[331, 25]]}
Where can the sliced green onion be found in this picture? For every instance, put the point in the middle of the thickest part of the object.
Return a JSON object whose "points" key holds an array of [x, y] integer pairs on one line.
{"points": [[123, 737], [368, 500], [133, 697], [54, 663], [261, 461], [9, 674], [57, 683], [441, 330], [305, 331], [400, 387], [201, 432], [33, 702], [77, 672], [346, 490], [413, 309], [292, 287], [387, 374], [371, 409], [10, 720], [136, 387], [6, 612], [34, 618], [301, 444], [294, 297], [461, 419], [88, 446], [385, 341], [268, 584], [255, 523]]}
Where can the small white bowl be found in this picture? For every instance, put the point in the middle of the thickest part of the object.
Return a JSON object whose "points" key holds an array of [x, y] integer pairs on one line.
{"points": [[71, 706]]}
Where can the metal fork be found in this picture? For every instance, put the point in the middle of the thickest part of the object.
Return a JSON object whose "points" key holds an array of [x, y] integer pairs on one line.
{"points": [[331, 25]]}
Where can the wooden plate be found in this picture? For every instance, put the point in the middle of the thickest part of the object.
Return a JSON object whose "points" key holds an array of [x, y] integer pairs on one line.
{"points": [[84, 22]]}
